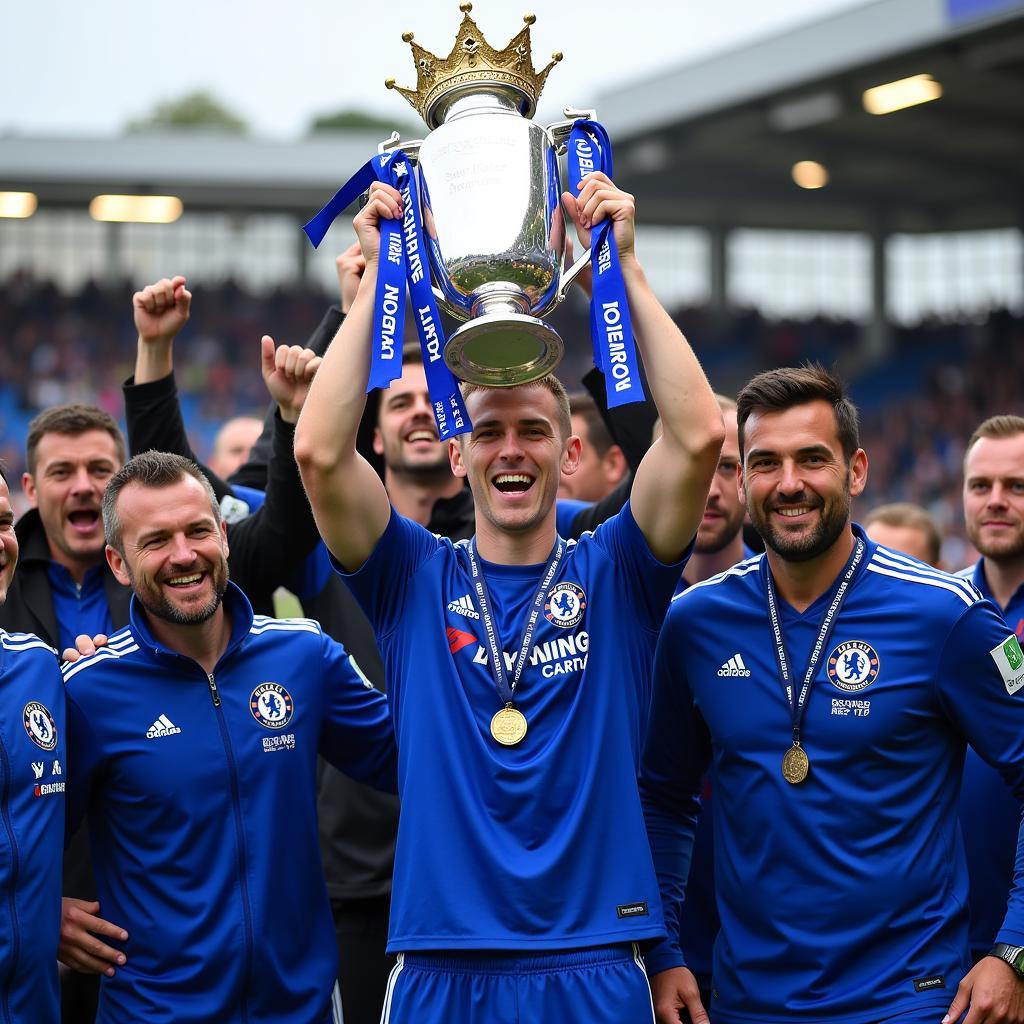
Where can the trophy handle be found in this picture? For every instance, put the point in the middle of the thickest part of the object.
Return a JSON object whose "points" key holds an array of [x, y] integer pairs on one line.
{"points": [[571, 274], [558, 131], [411, 148]]}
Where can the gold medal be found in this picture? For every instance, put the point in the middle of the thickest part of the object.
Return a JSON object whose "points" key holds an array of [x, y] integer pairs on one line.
{"points": [[795, 764], [508, 726]]}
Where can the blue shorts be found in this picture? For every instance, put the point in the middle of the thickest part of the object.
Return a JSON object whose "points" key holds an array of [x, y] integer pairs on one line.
{"points": [[605, 985]]}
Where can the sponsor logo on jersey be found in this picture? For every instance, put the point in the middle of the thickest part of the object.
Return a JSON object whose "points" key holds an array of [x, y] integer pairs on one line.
{"points": [[56, 769], [271, 705], [735, 667], [852, 666], [464, 606], [38, 767], [39, 724], [565, 605], [457, 639], [47, 788], [558, 657], [163, 726], [926, 984], [1009, 660]]}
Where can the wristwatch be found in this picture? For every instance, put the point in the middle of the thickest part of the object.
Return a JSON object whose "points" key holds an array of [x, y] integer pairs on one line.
{"points": [[1012, 955]]}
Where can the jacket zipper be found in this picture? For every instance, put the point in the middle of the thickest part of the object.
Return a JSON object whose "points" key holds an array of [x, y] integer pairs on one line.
{"points": [[240, 837], [5, 766]]}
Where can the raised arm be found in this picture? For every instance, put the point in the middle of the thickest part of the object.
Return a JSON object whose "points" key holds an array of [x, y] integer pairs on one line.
{"points": [[670, 487], [151, 406], [348, 498]]}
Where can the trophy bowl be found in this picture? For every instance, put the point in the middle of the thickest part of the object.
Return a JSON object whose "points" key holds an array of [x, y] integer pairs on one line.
{"points": [[490, 189]]}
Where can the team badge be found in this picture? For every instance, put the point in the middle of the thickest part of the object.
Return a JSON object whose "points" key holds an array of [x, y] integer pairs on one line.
{"points": [[565, 604], [853, 666], [40, 726], [271, 705]]}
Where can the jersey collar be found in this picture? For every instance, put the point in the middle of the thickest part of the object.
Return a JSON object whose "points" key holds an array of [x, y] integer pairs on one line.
{"points": [[235, 603]]}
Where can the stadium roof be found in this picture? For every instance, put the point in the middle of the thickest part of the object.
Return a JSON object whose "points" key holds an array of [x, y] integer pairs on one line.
{"points": [[714, 142], [709, 143]]}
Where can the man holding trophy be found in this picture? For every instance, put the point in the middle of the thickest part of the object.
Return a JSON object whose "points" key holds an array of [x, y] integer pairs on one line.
{"points": [[518, 664]]}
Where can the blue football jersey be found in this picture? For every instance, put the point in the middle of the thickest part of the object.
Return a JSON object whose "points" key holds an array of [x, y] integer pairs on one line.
{"points": [[540, 845], [33, 773], [842, 898], [989, 813]]}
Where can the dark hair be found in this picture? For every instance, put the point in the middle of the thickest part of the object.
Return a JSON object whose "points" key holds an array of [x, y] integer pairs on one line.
{"points": [[149, 469], [789, 386], [581, 404], [71, 420], [996, 426], [913, 517]]}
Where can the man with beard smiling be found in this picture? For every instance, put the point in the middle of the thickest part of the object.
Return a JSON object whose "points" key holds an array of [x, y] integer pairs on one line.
{"points": [[194, 736], [832, 685]]}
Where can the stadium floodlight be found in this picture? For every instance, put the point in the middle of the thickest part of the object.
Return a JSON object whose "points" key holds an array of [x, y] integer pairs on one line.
{"points": [[18, 204], [907, 92], [810, 174], [136, 209]]}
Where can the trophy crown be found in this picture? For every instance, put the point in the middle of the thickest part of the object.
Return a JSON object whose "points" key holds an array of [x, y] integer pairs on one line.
{"points": [[472, 59]]}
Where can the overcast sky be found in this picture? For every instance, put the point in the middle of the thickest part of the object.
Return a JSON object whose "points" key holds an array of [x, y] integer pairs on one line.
{"points": [[88, 67]]}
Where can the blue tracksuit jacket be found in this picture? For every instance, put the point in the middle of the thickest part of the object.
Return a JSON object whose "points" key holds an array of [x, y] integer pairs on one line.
{"points": [[200, 792]]}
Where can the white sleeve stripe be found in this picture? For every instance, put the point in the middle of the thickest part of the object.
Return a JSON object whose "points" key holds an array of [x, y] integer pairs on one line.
{"points": [[740, 569], [105, 653], [27, 645], [284, 626], [890, 558], [941, 584]]}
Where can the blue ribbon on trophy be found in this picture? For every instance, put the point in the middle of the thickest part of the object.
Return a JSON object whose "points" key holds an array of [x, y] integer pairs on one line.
{"points": [[611, 327], [402, 261]]}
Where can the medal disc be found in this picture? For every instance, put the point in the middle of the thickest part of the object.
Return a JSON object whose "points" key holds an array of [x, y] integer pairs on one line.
{"points": [[795, 765], [508, 726]]}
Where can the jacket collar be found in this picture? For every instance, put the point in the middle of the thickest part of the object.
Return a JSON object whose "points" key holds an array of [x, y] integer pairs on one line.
{"points": [[238, 609]]}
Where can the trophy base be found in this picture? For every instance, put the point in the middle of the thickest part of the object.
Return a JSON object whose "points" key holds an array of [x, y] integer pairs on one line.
{"points": [[503, 350]]}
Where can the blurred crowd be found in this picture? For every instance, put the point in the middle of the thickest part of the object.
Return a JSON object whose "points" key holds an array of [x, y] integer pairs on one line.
{"points": [[919, 404]]}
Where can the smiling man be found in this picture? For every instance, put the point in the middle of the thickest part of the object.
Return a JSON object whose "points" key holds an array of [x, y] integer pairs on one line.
{"points": [[32, 774], [194, 737], [993, 497], [835, 752], [64, 587], [518, 671]]}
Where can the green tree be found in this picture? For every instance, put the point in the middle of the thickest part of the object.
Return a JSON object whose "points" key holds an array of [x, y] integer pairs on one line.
{"points": [[357, 120], [198, 109]]}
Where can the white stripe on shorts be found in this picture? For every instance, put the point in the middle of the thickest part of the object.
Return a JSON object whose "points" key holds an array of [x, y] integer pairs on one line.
{"points": [[639, 960], [385, 1015]]}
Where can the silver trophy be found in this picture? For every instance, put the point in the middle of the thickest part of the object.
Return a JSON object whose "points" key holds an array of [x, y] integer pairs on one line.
{"points": [[490, 185]]}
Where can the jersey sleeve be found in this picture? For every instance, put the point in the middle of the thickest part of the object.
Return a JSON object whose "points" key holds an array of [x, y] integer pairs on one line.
{"points": [[981, 689], [83, 749], [675, 757], [380, 583], [646, 582], [356, 734]]}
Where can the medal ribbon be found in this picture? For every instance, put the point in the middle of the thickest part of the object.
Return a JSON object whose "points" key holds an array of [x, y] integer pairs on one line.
{"points": [[611, 327], [402, 260], [797, 708], [506, 690]]}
